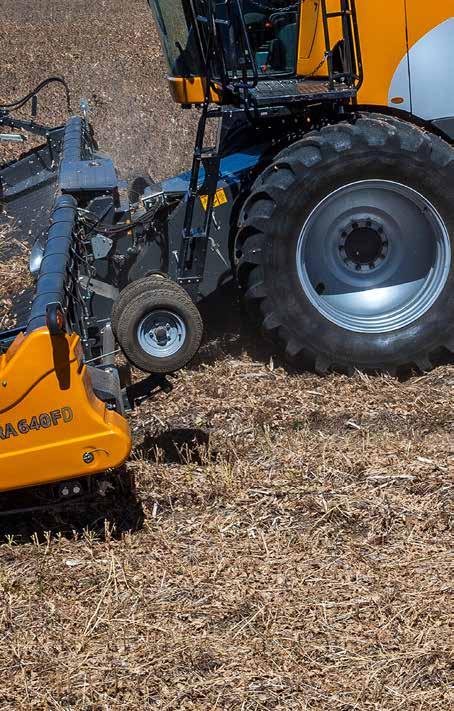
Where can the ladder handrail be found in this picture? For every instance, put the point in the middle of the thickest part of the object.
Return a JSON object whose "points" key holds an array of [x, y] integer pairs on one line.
{"points": [[350, 35], [215, 59]]}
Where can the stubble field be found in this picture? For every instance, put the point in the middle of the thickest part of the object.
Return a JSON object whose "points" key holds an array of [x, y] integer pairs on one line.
{"points": [[290, 541]]}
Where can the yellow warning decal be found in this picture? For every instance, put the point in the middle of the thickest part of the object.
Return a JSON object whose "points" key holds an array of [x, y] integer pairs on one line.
{"points": [[219, 199]]}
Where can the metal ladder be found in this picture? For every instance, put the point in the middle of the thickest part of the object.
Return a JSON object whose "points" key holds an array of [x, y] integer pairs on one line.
{"points": [[353, 68], [237, 74]]}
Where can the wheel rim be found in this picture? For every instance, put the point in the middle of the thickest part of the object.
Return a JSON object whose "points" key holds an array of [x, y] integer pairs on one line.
{"points": [[373, 256], [161, 333]]}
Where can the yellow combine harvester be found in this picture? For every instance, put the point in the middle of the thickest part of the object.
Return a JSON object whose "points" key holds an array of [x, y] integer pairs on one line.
{"points": [[328, 198]]}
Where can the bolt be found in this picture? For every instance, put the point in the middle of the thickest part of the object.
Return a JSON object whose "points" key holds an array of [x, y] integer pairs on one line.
{"points": [[4, 384], [88, 457]]}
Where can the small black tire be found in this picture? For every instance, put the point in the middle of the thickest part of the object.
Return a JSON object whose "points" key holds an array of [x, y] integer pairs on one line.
{"points": [[283, 200], [163, 297], [130, 292]]}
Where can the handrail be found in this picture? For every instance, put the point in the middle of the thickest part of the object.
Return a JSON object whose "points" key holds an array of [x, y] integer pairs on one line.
{"points": [[350, 34]]}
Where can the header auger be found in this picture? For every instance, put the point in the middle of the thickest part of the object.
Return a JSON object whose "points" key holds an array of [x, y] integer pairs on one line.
{"points": [[328, 199]]}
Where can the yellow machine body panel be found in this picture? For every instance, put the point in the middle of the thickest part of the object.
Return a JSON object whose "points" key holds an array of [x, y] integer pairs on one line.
{"points": [[383, 45], [382, 29], [190, 91], [423, 17], [392, 33], [311, 40], [52, 426]]}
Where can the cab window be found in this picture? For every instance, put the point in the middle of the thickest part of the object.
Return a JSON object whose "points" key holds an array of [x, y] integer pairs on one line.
{"points": [[273, 32]]}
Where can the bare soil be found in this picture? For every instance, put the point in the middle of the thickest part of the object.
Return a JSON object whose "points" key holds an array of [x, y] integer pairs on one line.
{"points": [[290, 542], [109, 52]]}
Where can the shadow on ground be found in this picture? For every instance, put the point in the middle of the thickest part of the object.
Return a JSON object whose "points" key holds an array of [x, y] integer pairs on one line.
{"points": [[230, 331], [112, 510], [178, 446]]}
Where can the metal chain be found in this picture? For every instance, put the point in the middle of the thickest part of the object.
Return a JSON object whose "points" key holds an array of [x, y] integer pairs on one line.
{"points": [[274, 8], [269, 8], [319, 66]]}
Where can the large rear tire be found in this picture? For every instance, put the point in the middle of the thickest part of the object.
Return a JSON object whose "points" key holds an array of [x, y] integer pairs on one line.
{"points": [[345, 246]]}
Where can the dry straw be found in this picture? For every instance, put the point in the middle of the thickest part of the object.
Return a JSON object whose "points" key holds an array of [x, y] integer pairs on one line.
{"points": [[296, 548], [295, 552]]}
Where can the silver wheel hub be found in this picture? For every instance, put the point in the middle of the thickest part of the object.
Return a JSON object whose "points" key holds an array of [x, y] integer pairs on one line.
{"points": [[161, 333], [363, 244], [373, 256]]}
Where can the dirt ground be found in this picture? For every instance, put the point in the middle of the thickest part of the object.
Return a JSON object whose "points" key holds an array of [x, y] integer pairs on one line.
{"points": [[109, 52], [290, 542]]}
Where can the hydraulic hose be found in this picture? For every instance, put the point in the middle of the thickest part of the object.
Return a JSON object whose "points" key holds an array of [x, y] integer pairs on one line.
{"points": [[19, 103]]}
